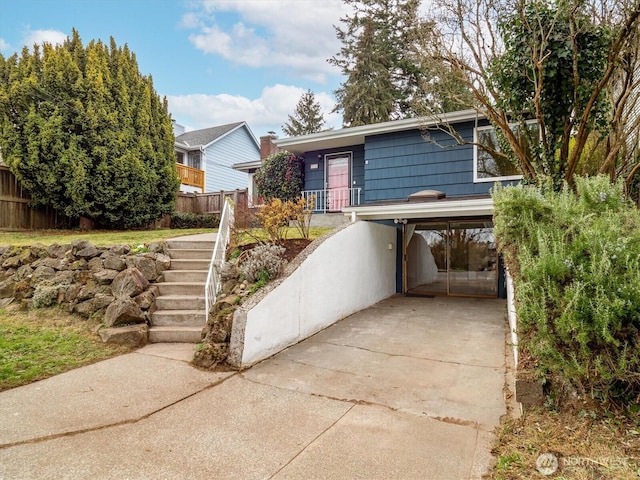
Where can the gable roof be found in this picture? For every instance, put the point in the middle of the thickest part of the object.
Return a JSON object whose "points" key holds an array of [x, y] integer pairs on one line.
{"points": [[346, 137], [206, 136]]}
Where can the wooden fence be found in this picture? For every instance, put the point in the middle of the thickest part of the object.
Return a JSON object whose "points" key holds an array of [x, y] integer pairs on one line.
{"points": [[209, 202], [15, 212]]}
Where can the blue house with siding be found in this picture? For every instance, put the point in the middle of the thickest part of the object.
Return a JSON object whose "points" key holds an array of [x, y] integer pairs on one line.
{"points": [[430, 180], [205, 157]]}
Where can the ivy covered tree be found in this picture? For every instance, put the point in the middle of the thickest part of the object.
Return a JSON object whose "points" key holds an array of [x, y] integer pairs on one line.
{"points": [[307, 118], [572, 66], [83, 131], [280, 176]]}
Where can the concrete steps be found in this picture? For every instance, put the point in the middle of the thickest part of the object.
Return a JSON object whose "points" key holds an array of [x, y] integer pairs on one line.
{"points": [[180, 315]]}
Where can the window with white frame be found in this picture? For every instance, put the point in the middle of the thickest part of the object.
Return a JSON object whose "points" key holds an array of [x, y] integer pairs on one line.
{"points": [[180, 157], [491, 168]]}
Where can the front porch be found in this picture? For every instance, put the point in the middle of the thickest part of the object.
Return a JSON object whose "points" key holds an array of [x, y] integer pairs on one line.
{"points": [[333, 199]]}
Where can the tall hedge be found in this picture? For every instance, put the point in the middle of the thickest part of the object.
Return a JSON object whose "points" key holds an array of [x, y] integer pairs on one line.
{"points": [[575, 259], [85, 132]]}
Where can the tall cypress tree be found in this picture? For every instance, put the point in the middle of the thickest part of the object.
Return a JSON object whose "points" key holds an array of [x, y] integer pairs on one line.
{"points": [[85, 132]]}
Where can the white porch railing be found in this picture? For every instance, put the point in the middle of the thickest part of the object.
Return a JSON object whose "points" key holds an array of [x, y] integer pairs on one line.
{"points": [[213, 285], [332, 200]]}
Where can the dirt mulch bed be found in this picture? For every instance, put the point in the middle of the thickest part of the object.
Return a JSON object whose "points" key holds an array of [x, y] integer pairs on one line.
{"points": [[293, 247]]}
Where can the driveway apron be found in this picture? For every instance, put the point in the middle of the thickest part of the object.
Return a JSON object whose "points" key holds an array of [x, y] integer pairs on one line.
{"points": [[410, 388]]}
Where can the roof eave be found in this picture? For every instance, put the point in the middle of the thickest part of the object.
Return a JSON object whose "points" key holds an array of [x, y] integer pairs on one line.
{"points": [[356, 135], [479, 207], [246, 166]]}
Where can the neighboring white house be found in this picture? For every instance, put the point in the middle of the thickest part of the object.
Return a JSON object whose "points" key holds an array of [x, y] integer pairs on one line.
{"points": [[205, 156]]}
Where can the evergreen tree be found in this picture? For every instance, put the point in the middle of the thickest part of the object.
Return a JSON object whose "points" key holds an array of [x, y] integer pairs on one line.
{"points": [[381, 58], [86, 133], [307, 118]]}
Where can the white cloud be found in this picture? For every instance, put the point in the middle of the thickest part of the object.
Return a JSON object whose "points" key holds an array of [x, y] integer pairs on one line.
{"points": [[4, 45], [294, 34], [53, 37], [269, 112]]}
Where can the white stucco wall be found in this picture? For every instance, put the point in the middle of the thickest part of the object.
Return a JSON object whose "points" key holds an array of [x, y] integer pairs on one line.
{"points": [[513, 319], [351, 270]]}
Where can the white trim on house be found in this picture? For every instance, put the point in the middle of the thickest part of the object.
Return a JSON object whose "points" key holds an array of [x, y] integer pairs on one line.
{"points": [[477, 179], [346, 137], [477, 207]]}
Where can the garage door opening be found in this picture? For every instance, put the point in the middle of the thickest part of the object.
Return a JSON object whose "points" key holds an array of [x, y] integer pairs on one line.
{"points": [[450, 258]]}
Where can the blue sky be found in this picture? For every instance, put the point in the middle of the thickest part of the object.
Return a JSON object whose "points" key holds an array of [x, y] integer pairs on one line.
{"points": [[217, 61]]}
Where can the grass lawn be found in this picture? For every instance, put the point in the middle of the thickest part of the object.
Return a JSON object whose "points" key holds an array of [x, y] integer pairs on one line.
{"points": [[97, 237], [37, 344], [587, 445]]}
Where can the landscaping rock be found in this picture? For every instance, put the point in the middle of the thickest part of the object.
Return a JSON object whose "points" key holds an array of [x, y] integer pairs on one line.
{"points": [[42, 273], [54, 263], [147, 298], [88, 252], [23, 273], [156, 247], [146, 266], [212, 354], [105, 277], [95, 264], [129, 283], [123, 310], [120, 249], [7, 288], [163, 262], [72, 292], [85, 308], [218, 329], [102, 300], [80, 264], [134, 335], [12, 262], [58, 251], [22, 290], [88, 290], [113, 262], [78, 245]]}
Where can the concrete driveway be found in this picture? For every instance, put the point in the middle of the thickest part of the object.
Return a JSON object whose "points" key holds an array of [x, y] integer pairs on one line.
{"points": [[410, 388]]}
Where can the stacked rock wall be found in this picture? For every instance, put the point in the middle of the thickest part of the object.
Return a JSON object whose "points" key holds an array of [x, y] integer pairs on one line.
{"points": [[111, 282]]}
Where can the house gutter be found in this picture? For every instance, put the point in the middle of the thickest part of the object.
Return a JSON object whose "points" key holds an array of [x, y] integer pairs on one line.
{"points": [[479, 207]]}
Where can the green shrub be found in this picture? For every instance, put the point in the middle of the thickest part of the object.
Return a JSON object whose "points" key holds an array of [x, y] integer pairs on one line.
{"points": [[575, 258], [45, 296], [194, 220], [280, 176]]}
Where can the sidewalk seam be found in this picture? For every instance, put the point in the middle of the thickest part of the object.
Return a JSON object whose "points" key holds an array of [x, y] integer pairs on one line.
{"points": [[312, 442], [116, 424], [411, 356]]}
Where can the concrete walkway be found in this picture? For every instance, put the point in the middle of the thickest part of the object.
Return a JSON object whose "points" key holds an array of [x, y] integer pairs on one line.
{"points": [[408, 389]]}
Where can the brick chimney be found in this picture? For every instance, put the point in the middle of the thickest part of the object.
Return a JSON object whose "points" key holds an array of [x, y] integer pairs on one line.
{"points": [[267, 147]]}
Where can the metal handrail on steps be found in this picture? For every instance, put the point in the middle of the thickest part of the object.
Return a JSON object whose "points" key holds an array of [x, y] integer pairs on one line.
{"points": [[213, 285]]}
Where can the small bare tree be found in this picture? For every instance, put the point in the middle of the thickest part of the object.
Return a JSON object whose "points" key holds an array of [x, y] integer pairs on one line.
{"points": [[572, 66]]}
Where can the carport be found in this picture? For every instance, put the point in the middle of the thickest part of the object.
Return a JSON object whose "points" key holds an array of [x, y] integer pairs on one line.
{"points": [[447, 245]]}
